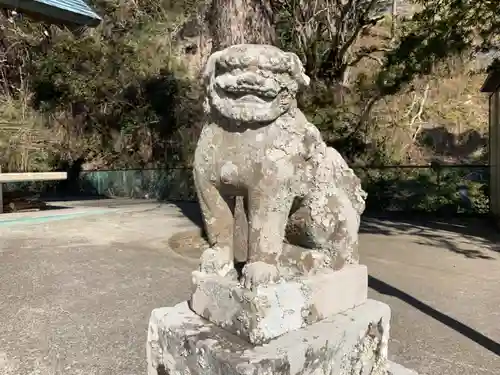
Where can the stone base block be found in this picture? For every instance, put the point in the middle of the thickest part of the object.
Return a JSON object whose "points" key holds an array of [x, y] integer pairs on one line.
{"points": [[270, 311], [351, 343]]}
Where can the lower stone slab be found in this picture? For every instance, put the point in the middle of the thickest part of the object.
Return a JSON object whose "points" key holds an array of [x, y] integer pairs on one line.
{"points": [[272, 310], [351, 343]]}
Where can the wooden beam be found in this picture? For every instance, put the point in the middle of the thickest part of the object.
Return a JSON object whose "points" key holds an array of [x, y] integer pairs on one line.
{"points": [[32, 176]]}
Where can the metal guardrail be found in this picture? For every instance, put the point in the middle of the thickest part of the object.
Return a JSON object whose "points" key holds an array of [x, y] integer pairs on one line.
{"points": [[450, 189], [444, 189], [174, 184]]}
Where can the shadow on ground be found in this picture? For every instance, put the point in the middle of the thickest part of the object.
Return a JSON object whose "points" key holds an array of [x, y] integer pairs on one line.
{"points": [[191, 210], [465, 330], [471, 237]]}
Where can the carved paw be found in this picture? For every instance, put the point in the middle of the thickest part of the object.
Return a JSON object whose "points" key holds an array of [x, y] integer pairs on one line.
{"points": [[259, 273], [215, 261]]}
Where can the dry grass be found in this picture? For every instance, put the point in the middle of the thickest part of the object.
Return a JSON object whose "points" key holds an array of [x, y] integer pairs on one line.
{"points": [[115, 128], [448, 103], [24, 141], [449, 100]]}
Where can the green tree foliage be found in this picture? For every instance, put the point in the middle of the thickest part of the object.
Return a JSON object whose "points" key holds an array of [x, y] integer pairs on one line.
{"points": [[440, 29], [330, 38], [121, 96], [116, 95], [358, 61]]}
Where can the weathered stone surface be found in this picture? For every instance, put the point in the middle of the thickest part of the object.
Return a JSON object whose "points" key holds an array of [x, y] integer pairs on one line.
{"points": [[396, 369], [352, 343], [269, 311], [256, 143]]}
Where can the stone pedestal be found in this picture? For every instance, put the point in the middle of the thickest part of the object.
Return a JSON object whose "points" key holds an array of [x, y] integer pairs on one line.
{"points": [[354, 342], [272, 310]]}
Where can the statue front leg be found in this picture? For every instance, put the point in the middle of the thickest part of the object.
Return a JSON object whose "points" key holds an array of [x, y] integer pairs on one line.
{"points": [[268, 215], [218, 219]]}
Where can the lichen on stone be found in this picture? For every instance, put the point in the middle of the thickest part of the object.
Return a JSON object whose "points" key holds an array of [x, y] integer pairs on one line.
{"points": [[257, 144]]}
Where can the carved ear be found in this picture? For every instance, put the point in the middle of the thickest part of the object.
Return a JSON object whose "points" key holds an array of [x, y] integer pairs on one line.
{"points": [[298, 70], [207, 77], [209, 71]]}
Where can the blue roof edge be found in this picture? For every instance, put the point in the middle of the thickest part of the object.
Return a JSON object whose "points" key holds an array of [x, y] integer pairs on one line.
{"points": [[55, 13]]}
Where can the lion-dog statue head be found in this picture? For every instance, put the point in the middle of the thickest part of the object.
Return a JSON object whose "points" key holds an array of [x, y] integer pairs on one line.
{"points": [[252, 83]]}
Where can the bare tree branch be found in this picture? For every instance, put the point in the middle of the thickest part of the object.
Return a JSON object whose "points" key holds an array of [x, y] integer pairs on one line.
{"points": [[326, 32]]}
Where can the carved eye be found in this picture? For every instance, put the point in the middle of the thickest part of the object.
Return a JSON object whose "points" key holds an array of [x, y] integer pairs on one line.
{"points": [[274, 61], [220, 69]]}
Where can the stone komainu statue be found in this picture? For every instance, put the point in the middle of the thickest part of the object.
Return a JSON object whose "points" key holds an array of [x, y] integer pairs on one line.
{"points": [[257, 144]]}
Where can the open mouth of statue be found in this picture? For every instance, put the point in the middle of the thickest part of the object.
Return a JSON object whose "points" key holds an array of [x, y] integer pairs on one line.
{"points": [[243, 90], [246, 95], [246, 92]]}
